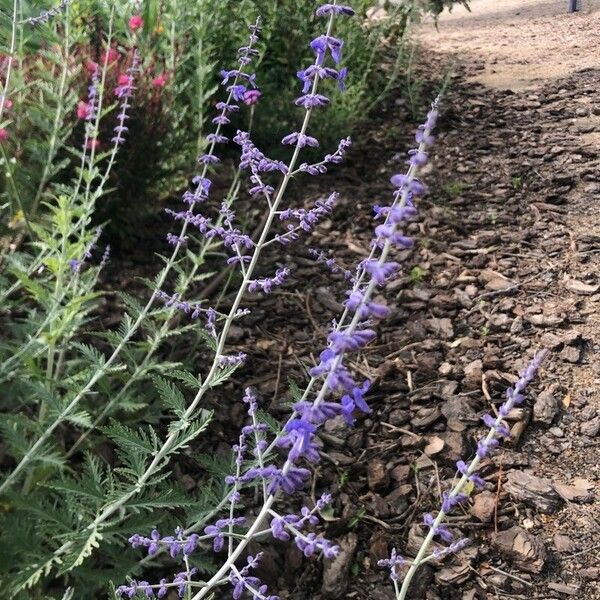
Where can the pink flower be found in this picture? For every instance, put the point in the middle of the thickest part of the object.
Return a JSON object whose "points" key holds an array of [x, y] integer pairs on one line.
{"points": [[92, 144], [251, 97], [109, 57], [3, 134], [83, 109], [123, 79], [160, 81], [136, 22], [8, 104]]}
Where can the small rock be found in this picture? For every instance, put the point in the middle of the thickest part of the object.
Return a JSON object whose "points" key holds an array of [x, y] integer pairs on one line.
{"points": [[441, 327], [592, 573], [335, 572], [534, 491], [458, 413], [571, 354], [573, 493], [434, 446], [563, 543], [563, 588], [545, 320], [590, 428], [473, 374], [484, 506], [378, 547], [453, 575], [377, 475], [495, 281], [546, 406], [399, 417], [526, 551], [426, 417], [456, 446], [551, 341], [400, 473]]}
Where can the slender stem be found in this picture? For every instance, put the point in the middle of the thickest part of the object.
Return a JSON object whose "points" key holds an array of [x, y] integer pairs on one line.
{"points": [[57, 117]]}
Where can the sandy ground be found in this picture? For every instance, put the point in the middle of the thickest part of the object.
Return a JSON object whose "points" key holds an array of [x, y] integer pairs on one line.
{"points": [[520, 43]]}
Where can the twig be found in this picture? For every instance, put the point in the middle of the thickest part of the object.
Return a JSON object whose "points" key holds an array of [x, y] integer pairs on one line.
{"points": [[523, 581]]}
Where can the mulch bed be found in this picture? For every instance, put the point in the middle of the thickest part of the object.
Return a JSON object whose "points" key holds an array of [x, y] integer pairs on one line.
{"points": [[505, 262]]}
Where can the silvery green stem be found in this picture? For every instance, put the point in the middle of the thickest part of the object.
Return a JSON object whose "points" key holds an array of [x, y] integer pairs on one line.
{"points": [[207, 383], [411, 174], [421, 554], [57, 118]]}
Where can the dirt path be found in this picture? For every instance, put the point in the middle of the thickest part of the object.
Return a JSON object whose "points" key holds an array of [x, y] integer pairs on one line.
{"points": [[520, 44]]}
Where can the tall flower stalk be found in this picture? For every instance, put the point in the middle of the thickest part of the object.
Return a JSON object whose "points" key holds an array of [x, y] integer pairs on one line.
{"points": [[459, 493], [297, 436]]}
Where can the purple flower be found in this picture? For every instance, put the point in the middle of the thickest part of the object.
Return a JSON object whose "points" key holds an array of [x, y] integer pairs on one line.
{"points": [[394, 561], [311, 544], [450, 501], [301, 140], [298, 437], [367, 309], [387, 231], [209, 159], [309, 101], [321, 44], [441, 530], [337, 376], [417, 158], [401, 181], [474, 478], [379, 271], [290, 481], [341, 341], [333, 9], [266, 285], [356, 400], [451, 549], [317, 413]]}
